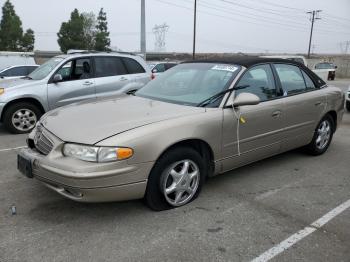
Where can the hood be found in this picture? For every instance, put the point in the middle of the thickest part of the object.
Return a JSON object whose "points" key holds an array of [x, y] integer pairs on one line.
{"points": [[93, 121], [17, 83]]}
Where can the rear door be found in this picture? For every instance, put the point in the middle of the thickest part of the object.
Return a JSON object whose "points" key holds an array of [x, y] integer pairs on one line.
{"points": [[77, 83], [111, 75], [303, 105], [260, 130], [136, 72]]}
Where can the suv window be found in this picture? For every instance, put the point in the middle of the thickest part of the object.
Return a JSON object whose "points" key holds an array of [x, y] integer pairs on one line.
{"points": [[291, 78], [169, 65], [77, 69], [31, 69], [259, 81], [16, 71], [160, 68], [109, 66], [133, 66]]}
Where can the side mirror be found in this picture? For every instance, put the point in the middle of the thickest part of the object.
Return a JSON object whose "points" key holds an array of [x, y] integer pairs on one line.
{"points": [[154, 70], [245, 99], [335, 67], [57, 78]]}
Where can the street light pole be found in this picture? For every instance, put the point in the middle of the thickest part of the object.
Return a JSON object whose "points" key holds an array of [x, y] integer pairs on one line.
{"points": [[194, 30], [143, 28]]}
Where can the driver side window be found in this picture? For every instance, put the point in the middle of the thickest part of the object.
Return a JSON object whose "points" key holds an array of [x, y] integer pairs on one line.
{"points": [[259, 81], [77, 69]]}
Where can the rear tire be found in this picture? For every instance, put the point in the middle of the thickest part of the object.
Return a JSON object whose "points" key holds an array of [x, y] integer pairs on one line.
{"points": [[168, 179], [21, 118], [322, 137]]}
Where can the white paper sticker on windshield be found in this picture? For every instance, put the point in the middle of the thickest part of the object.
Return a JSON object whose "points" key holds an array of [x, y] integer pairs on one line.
{"points": [[229, 68]]}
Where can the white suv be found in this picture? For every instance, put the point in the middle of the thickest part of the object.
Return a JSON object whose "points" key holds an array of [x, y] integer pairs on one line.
{"points": [[67, 79]]}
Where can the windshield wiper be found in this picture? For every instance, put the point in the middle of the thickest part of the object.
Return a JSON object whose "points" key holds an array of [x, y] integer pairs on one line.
{"points": [[213, 98], [131, 92], [27, 77]]}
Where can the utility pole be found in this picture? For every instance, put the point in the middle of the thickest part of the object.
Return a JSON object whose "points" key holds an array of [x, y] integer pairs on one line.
{"points": [[143, 28], [194, 29], [314, 16]]}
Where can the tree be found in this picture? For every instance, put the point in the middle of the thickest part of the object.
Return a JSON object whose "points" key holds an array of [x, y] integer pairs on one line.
{"points": [[89, 28], [11, 32], [28, 40], [102, 41], [71, 34]]}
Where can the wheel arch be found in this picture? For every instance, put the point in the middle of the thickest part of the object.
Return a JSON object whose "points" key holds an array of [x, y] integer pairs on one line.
{"points": [[202, 147], [24, 99], [333, 115]]}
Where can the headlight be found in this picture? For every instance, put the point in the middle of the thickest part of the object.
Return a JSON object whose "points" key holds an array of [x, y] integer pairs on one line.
{"points": [[2, 90], [97, 154]]}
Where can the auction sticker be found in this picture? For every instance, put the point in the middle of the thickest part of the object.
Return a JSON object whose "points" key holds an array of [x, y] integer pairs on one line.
{"points": [[225, 68]]}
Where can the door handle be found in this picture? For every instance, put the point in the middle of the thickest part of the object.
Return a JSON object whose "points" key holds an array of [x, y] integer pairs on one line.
{"points": [[318, 103], [87, 83], [276, 113], [123, 79]]}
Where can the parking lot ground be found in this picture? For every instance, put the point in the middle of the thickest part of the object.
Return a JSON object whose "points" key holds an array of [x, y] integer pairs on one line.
{"points": [[237, 217]]}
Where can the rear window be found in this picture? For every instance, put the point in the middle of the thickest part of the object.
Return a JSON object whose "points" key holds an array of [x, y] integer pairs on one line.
{"points": [[133, 66], [109, 66]]}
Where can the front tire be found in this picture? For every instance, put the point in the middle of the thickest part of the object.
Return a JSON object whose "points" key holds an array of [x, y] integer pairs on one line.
{"points": [[348, 105], [21, 118], [176, 179], [322, 137]]}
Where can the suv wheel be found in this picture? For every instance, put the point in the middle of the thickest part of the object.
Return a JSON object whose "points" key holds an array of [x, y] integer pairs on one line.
{"points": [[21, 118], [322, 137], [348, 105], [176, 179]]}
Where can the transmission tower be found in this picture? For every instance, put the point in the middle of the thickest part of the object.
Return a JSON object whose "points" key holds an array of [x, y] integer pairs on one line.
{"points": [[344, 47], [159, 34]]}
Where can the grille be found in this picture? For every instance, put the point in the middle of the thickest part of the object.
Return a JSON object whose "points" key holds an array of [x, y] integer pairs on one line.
{"points": [[42, 143]]}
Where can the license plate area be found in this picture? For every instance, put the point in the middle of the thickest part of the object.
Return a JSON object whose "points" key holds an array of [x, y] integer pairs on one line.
{"points": [[24, 165]]}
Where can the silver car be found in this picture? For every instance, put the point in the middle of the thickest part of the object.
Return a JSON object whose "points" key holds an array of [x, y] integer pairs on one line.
{"points": [[194, 121], [16, 71], [68, 79]]}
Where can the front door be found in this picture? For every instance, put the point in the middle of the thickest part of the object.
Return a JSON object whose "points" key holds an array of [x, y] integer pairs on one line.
{"points": [[253, 132], [77, 83]]}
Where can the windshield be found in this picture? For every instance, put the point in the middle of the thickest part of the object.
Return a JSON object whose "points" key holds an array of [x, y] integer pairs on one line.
{"points": [[44, 70], [190, 83], [324, 66]]}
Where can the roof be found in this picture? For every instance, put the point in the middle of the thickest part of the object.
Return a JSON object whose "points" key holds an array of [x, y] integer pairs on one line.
{"points": [[246, 61]]}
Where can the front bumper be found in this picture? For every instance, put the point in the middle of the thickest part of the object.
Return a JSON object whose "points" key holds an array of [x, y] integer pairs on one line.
{"points": [[89, 182]]}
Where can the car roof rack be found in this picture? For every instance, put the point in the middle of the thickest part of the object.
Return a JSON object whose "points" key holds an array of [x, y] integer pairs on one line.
{"points": [[74, 51]]}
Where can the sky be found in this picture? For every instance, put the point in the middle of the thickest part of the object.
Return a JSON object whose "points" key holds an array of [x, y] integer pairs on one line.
{"points": [[248, 26]]}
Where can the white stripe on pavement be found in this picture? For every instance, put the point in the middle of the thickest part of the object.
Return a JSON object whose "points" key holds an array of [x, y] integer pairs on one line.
{"points": [[10, 149], [293, 239]]}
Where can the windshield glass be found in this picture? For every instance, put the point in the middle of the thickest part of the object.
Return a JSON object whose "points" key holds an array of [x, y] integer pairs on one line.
{"points": [[324, 66], [190, 83], [42, 71]]}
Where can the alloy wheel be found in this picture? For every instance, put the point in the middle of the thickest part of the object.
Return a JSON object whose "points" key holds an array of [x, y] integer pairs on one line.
{"points": [[181, 182], [24, 120], [323, 134]]}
